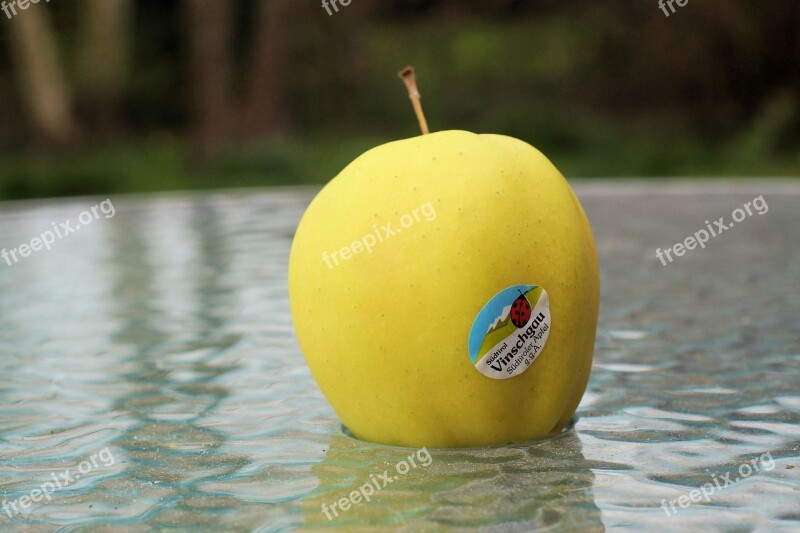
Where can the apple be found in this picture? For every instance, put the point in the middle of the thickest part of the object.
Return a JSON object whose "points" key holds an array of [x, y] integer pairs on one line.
{"points": [[444, 290]]}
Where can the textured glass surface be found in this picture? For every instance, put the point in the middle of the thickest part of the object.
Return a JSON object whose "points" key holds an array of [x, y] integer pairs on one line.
{"points": [[164, 334]]}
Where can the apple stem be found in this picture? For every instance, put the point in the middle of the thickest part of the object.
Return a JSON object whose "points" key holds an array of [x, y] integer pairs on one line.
{"points": [[410, 79]]}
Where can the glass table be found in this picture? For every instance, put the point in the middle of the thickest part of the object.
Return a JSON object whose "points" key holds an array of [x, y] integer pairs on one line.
{"points": [[150, 378]]}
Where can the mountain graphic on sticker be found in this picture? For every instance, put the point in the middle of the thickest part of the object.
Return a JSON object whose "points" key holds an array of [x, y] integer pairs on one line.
{"points": [[518, 313], [502, 316], [501, 320]]}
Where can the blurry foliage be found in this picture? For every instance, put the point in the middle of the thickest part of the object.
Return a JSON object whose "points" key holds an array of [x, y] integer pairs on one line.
{"points": [[604, 87]]}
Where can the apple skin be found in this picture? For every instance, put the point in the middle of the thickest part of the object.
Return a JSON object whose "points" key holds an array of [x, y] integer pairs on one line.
{"points": [[385, 332]]}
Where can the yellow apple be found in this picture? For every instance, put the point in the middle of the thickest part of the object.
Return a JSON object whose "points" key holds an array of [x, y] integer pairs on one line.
{"points": [[444, 290]]}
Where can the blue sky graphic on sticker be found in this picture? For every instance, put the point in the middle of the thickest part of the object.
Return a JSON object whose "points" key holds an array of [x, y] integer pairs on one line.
{"points": [[489, 314]]}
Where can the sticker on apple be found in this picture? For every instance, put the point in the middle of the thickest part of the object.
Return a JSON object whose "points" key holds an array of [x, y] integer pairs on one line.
{"points": [[510, 331]]}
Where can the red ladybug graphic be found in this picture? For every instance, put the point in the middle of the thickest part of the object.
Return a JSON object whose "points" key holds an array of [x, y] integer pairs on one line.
{"points": [[520, 311]]}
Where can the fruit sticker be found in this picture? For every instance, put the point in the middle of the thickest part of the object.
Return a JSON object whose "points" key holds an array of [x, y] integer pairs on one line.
{"points": [[510, 331]]}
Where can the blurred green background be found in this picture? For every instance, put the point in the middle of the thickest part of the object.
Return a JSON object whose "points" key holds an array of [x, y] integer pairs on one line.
{"points": [[111, 96]]}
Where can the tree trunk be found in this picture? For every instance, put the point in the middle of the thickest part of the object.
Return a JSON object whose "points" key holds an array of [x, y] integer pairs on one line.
{"points": [[39, 76], [210, 62], [263, 110], [103, 62]]}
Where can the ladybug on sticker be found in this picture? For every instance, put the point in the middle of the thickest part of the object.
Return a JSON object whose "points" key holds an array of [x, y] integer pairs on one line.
{"points": [[520, 311], [510, 331]]}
